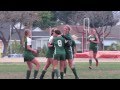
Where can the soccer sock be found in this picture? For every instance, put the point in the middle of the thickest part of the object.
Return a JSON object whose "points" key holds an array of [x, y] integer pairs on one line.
{"points": [[28, 74], [90, 62], [65, 69], [61, 74], [74, 72], [43, 73], [57, 73], [35, 73], [53, 74]]}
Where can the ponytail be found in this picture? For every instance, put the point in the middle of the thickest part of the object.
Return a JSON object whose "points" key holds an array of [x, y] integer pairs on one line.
{"points": [[25, 35]]}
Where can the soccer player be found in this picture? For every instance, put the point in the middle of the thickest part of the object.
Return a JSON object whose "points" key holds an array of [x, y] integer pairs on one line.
{"points": [[94, 40], [74, 50], [68, 49], [59, 53], [28, 55], [49, 55]]}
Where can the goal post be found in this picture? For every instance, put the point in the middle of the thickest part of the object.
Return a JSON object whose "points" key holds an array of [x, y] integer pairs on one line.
{"points": [[86, 25]]}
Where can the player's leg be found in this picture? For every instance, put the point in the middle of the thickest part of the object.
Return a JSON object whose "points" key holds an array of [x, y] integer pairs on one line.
{"points": [[55, 70], [69, 57], [52, 74], [90, 59], [48, 63], [94, 56], [28, 73], [65, 67], [62, 62], [71, 65], [35, 61]]}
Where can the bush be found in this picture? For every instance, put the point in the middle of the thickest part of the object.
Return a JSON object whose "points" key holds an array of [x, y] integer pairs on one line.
{"points": [[43, 51], [16, 48], [114, 47]]}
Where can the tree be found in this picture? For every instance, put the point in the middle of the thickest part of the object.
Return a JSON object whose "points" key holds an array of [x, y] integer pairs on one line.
{"points": [[46, 19], [12, 17], [65, 16], [70, 17]]}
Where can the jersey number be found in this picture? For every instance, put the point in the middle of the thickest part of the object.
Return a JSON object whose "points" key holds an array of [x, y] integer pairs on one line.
{"points": [[59, 43]]}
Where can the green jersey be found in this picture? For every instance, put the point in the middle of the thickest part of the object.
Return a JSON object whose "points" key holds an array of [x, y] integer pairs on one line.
{"points": [[28, 55], [68, 36], [50, 50], [93, 46], [93, 38], [69, 49], [59, 44]]}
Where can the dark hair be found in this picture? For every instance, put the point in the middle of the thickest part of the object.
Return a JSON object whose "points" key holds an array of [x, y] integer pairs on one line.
{"points": [[52, 32], [58, 32]]}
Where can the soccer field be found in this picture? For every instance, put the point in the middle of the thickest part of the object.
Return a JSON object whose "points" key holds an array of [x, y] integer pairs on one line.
{"points": [[106, 70]]}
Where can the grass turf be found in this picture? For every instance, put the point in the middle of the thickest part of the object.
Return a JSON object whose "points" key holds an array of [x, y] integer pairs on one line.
{"points": [[105, 70]]}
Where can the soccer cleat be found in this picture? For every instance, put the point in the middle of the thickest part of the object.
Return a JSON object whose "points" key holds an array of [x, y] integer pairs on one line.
{"points": [[90, 67], [34, 78], [77, 78], [41, 77], [64, 75], [59, 78]]}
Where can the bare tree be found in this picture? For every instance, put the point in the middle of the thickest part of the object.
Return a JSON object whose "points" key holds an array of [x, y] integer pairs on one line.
{"points": [[12, 17]]}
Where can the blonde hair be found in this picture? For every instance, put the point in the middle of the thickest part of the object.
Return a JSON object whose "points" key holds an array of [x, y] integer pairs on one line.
{"points": [[26, 32], [69, 27]]}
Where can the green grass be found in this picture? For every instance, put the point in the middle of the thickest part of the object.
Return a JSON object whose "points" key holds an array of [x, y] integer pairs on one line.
{"points": [[106, 70]]}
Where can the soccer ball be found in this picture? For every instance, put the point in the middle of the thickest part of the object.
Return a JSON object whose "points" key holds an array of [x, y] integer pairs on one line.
{"points": [[90, 37]]}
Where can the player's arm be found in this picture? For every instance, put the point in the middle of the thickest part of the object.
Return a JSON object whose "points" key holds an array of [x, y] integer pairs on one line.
{"points": [[75, 51], [75, 48], [32, 50], [50, 45]]}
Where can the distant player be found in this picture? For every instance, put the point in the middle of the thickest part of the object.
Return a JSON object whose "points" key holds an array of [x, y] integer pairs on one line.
{"points": [[94, 40], [59, 53], [69, 51], [49, 55], [28, 55]]}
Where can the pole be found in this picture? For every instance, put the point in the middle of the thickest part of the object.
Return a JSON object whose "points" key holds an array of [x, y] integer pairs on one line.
{"points": [[103, 39], [86, 29], [10, 41], [82, 41]]}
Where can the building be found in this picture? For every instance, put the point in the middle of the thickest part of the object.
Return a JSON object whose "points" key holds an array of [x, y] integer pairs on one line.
{"points": [[39, 38]]}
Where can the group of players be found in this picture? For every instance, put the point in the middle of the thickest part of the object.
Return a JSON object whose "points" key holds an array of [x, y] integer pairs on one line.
{"points": [[61, 49]]}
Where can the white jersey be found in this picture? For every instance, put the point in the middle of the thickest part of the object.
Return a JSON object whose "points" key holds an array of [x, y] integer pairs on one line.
{"points": [[29, 41], [51, 39]]}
